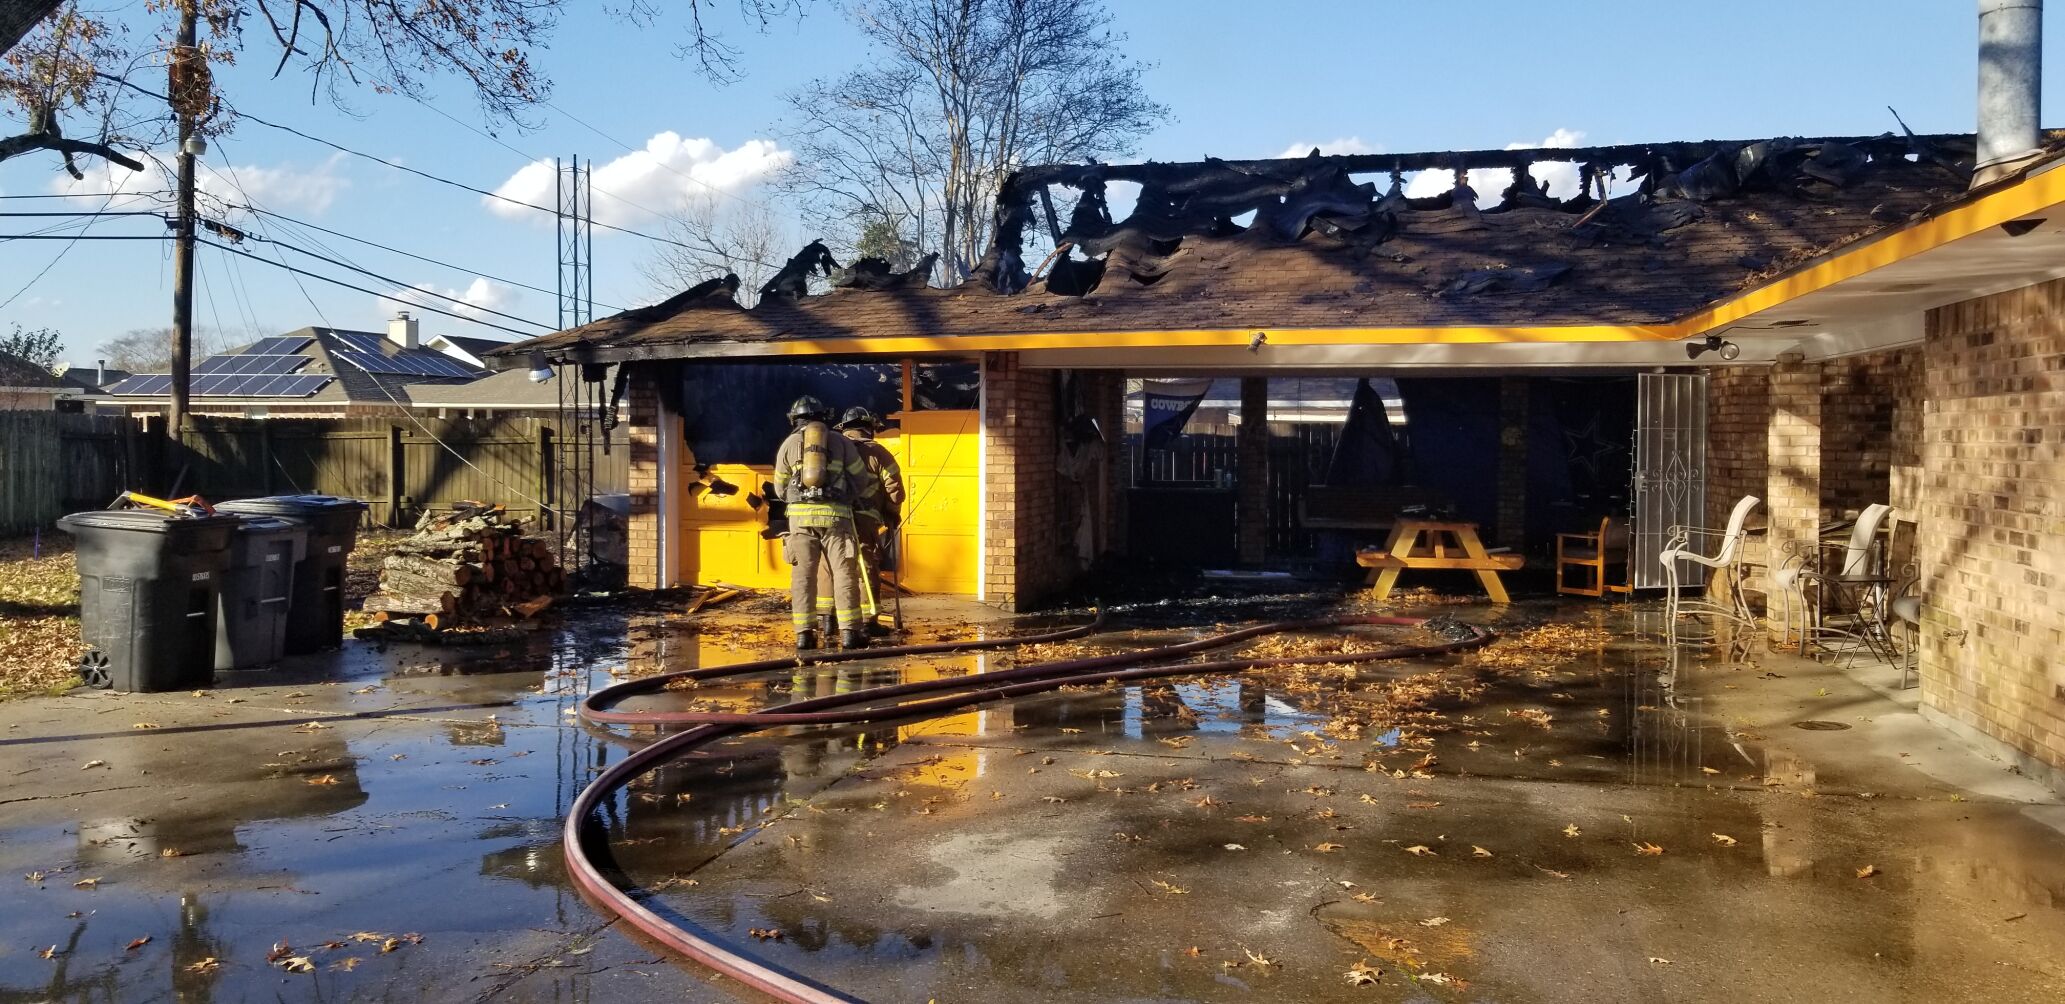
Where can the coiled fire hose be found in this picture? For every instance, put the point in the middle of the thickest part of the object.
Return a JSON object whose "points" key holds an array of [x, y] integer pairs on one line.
{"points": [[860, 706]]}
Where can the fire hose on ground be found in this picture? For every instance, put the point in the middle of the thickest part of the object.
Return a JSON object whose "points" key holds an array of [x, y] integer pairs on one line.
{"points": [[867, 705]]}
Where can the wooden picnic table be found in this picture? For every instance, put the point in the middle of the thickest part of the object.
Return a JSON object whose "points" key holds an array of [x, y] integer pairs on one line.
{"points": [[1406, 549]]}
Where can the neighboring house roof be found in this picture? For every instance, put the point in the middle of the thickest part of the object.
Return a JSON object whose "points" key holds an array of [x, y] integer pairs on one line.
{"points": [[89, 378], [465, 347], [17, 373], [508, 390], [309, 366], [1328, 252]]}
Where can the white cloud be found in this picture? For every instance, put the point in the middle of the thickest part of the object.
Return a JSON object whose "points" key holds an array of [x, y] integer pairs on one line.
{"points": [[669, 171], [286, 188], [1559, 179], [1332, 147], [480, 296]]}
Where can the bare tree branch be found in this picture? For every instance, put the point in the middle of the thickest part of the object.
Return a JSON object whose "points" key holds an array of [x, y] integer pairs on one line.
{"points": [[14, 146]]}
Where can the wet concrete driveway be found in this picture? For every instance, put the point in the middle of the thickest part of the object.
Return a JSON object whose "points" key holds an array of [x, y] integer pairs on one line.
{"points": [[1587, 819]]}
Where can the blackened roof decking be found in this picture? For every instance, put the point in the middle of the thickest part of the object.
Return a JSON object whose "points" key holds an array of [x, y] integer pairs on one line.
{"points": [[1325, 250]]}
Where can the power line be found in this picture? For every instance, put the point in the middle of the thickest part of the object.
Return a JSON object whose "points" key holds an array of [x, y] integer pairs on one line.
{"points": [[60, 256], [361, 289], [385, 278], [87, 212], [406, 254], [84, 237]]}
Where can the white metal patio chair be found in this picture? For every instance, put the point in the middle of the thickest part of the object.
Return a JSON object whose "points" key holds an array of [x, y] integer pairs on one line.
{"points": [[1725, 560], [1838, 590]]}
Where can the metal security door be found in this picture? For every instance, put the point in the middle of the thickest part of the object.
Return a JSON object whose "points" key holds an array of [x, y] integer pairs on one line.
{"points": [[1670, 470]]}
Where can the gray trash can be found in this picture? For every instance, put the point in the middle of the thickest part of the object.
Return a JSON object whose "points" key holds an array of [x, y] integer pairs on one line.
{"points": [[315, 618], [257, 591], [147, 595]]}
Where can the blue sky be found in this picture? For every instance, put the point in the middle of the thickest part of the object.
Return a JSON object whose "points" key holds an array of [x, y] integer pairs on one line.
{"points": [[1243, 80]]}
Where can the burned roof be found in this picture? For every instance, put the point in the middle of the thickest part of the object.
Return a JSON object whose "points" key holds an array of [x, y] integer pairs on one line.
{"points": [[1335, 242]]}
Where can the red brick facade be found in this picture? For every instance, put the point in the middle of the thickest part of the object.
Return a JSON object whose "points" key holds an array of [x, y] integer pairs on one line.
{"points": [[642, 404], [1993, 521]]}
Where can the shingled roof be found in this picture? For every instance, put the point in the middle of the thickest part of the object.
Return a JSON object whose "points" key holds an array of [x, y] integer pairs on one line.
{"points": [[1335, 243]]}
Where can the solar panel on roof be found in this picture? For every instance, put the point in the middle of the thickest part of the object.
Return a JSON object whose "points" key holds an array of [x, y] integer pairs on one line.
{"points": [[250, 363], [420, 362], [140, 384], [263, 385], [281, 346], [357, 341]]}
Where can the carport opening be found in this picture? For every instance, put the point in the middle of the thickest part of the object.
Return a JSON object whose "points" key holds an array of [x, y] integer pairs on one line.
{"points": [[1523, 456]]}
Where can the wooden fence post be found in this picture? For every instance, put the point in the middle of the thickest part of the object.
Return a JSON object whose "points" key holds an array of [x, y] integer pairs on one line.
{"points": [[394, 476]]}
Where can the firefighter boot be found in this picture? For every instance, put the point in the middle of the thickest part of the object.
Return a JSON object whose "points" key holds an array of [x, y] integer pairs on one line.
{"points": [[806, 640], [827, 627], [852, 638]]}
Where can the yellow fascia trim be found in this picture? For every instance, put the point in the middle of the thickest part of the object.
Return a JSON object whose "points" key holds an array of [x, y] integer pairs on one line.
{"points": [[1221, 338], [2031, 194]]}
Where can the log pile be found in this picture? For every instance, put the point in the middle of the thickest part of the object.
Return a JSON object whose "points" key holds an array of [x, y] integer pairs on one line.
{"points": [[472, 565]]}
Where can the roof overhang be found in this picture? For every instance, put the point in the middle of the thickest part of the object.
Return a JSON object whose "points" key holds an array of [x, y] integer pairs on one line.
{"points": [[1865, 296]]}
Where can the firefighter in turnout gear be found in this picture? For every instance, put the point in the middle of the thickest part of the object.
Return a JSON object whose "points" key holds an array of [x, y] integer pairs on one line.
{"points": [[818, 473], [878, 508]]}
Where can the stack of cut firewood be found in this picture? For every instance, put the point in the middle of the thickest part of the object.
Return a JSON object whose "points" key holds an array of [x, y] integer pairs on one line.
{"points": [[472, 565]]}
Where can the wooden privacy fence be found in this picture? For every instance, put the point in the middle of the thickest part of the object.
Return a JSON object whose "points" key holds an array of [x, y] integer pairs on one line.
{"points": [[58, 463], [399, 467], [52, 463]]}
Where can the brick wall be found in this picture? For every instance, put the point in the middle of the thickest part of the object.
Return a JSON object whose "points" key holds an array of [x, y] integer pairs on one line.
{"points": [[1023, 561], [641, 399], [1737, 452], [1993, 522], [1867, 403], [1792, 495]]}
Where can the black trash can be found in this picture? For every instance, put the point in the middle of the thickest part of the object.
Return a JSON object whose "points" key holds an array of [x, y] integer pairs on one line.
{"points": [[257, 591], [315, 618], [147, 595]]}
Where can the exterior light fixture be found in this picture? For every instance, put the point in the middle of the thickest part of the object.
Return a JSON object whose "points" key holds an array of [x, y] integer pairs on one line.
{"points": [[1727, 350], [2016, 228], [541, 368]]}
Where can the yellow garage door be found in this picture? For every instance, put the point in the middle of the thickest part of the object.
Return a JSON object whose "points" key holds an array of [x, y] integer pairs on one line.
{"points": [[940, 454], [720, 540]]}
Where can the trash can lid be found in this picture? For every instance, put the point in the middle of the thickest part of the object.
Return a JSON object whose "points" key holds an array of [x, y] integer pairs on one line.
{"points": [[140, 521], [292, 505], [268, 524]]}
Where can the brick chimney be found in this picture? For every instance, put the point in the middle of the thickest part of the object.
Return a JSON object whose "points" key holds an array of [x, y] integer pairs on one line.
{"points": [[401, 330]]}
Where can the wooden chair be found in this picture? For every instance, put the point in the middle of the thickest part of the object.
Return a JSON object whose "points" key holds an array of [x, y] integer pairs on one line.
{"points": [[1592, 553]]}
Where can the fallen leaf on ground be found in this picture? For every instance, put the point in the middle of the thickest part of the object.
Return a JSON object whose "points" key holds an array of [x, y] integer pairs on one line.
{"points": [[1327, 848], [280, 950], [346, 965], [367, 936], [1441, 980], [1362, 974], [298, 964], [325, 779], [138, 943], [1653, 960], [145, 725], [1423, 805], [766, 933], [90, 764], [86, 883], [1572, 830], [1420, 850], [1235, 847], [207, 965], [1648, 849], [1193, 951], [47, 953], [1434, 922], [1708, 770], [1724, 840], [1251, 819], [1867, 871], [1170, 887], [172, 852], [1551, 872], [1479, 852], [1257, 958]]}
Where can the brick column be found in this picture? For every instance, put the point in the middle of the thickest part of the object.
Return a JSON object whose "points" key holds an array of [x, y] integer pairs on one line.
{"points": [[1511, 530], [641, 398], [1251, 471], [1792, 499], [1022, 553]]}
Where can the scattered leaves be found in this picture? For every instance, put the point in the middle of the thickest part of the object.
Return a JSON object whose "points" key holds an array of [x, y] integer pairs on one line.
{"points": [[1362, 974], [1647, 849], [765, 933]]}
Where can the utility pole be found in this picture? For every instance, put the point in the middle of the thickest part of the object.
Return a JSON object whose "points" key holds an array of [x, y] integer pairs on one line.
{"points": [[185, 74]]}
